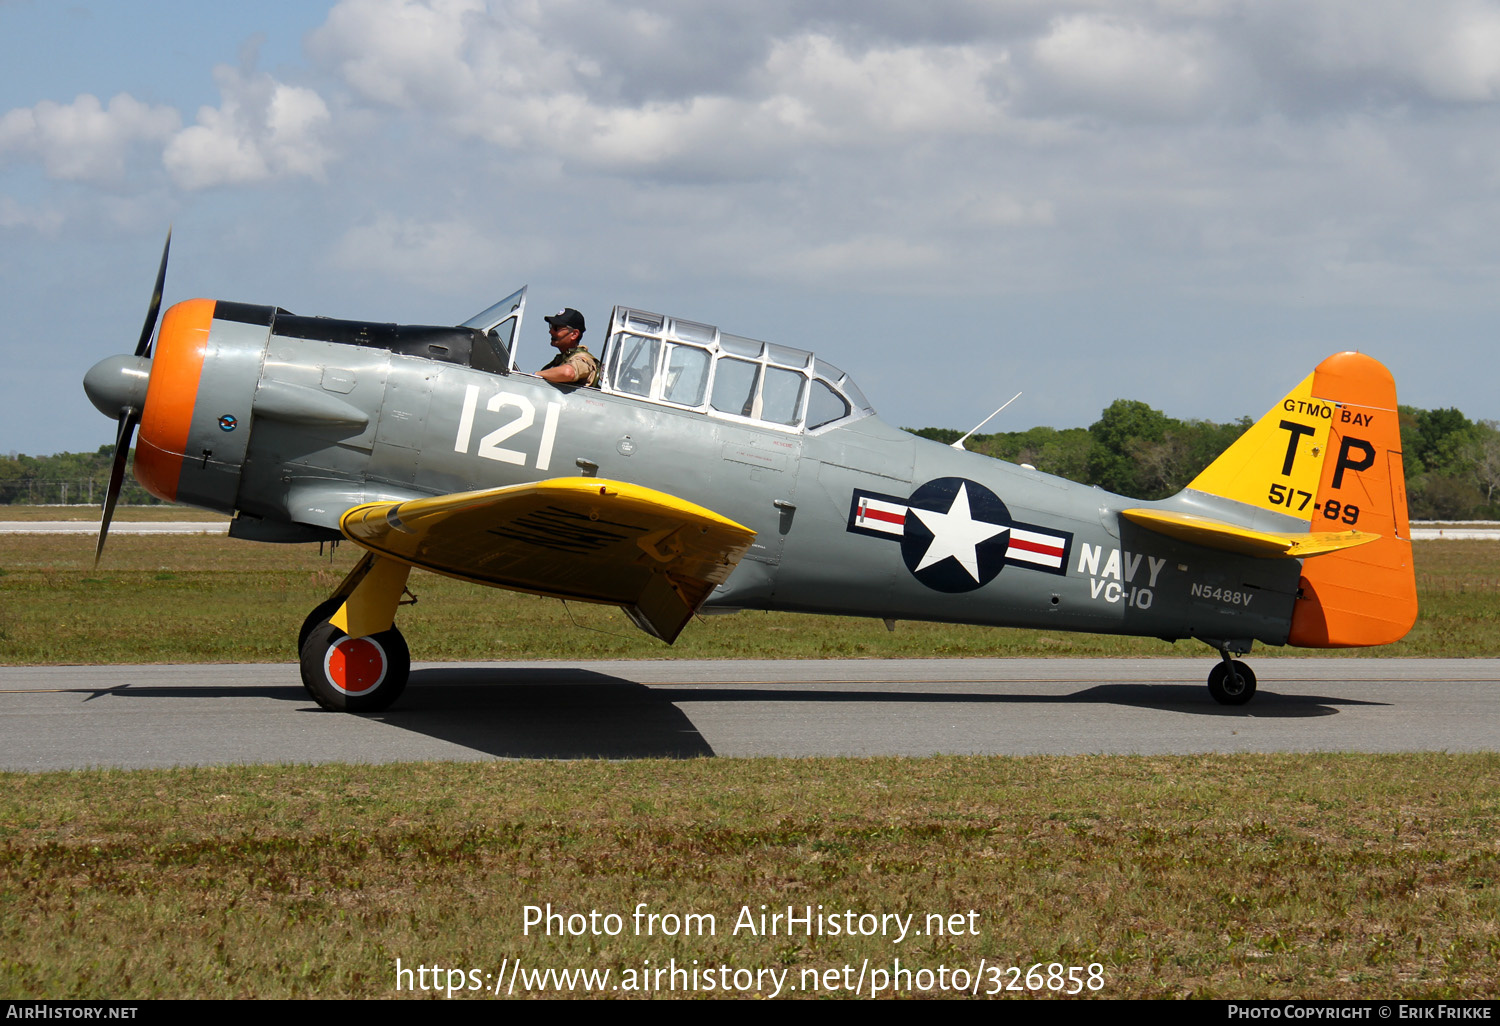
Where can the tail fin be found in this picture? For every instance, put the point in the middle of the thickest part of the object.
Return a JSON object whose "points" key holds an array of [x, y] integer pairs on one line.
{"points": [[1330, 454]]}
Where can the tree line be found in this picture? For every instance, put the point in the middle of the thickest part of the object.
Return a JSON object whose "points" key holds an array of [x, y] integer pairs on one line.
{"points": [[67, 478], [1452, 463]]}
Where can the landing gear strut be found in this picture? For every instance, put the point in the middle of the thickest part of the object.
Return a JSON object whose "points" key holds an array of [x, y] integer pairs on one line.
{"points": [[368, 672], [1231, 682]]}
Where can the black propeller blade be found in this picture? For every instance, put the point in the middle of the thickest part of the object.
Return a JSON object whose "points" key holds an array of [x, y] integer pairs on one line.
{"points": [[129, 416], [143, 347], [116, 478]]}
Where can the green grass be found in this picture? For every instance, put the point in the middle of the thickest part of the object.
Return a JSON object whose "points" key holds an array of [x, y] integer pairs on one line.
{"points": [[212, 599], [1208, 876]]}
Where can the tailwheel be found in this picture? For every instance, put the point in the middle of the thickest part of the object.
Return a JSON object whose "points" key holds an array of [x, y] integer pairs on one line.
{"points": [[354, 674], [1231, 682]]}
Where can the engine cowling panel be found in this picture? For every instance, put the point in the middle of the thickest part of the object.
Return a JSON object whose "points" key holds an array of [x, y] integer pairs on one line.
{"points": [[196, 424]]}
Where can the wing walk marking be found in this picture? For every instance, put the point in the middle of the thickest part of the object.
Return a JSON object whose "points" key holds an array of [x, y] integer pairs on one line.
{"points": [[565, 530], [544, 542]]}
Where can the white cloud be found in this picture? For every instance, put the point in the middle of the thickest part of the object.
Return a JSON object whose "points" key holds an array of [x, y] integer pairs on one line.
{"points": [[85, 141], [1463, 64], [517, 77], [894, 91], [404, 53], [264, 129], [1196, 135], [1104, 64], [1387, 51]]}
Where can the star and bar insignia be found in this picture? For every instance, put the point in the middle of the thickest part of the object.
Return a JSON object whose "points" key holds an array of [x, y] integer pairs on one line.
{"points": [[956, 535]]}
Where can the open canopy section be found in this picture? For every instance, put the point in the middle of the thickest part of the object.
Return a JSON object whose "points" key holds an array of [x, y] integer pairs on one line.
{"points": [[501, 326]]}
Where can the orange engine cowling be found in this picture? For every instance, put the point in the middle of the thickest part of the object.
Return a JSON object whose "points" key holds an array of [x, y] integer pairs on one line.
{"points": [[196, 422], [166, 422]]}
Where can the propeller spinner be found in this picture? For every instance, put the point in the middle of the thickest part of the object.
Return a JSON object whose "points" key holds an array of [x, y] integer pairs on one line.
{"points": [[116, 386]]}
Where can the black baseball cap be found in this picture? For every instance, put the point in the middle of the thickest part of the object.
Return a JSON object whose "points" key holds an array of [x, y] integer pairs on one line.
{"points": [[567, 318]]}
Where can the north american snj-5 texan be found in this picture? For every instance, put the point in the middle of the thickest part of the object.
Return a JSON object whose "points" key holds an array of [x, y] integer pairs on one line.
{"points": [[710, 470]]}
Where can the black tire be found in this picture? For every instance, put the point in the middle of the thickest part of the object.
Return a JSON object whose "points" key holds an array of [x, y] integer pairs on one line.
{"points": [[1225, 689], [366, 675], [316, 618]]}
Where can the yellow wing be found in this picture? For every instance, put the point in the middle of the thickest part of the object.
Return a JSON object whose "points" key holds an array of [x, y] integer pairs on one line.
{"points": [[654, 555]]}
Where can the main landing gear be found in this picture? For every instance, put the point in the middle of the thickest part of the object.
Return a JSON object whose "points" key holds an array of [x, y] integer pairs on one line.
{"points": [[1231, 682], [360, 674], [356, 675]]}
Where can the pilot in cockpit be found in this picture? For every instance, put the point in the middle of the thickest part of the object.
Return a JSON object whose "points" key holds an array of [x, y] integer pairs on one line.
{"points": [[573, 364]]}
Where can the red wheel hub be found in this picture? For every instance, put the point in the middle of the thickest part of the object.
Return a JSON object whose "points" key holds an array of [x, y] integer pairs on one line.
{"points": [[355, 666]]}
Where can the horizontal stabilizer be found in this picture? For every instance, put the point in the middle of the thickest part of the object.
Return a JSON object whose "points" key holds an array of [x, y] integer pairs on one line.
{"points": [[654, 555], [1219, 534]]}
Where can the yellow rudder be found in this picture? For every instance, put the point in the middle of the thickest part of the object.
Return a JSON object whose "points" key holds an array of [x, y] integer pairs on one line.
{"points": [[1368, 595], [1277, 464], [1330, 455]]}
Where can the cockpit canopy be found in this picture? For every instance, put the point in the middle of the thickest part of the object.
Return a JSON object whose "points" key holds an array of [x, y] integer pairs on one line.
{"points": [[697, 367]]}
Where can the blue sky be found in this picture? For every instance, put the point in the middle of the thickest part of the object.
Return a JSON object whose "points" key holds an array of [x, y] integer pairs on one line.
{"points": [[1188, 203], [157, 51]]}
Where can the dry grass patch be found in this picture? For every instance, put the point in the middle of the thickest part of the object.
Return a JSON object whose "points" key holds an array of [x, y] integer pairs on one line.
{"points": [[1225, 876]]}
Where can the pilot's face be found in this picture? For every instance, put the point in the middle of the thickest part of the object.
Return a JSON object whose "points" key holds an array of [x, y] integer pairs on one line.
{"points": [[563, 339]]}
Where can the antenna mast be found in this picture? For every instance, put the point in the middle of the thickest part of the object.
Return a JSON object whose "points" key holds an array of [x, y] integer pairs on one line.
{"points": [[959, 445]]}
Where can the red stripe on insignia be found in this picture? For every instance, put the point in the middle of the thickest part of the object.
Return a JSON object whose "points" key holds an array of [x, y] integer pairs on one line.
{"points": [[1037, 547], [871, 513]]}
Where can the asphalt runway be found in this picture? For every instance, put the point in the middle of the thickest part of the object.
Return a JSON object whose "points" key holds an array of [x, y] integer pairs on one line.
{"points": [[65, 717]]}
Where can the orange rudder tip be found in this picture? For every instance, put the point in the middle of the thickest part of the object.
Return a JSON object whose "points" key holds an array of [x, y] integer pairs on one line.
{"points": [[1365, 595]]}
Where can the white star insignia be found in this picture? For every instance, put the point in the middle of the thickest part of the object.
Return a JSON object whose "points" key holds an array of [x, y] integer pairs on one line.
{"points": [[956, 533]]}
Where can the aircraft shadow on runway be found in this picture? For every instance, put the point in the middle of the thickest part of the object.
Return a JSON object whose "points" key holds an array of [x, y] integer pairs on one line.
{"points": [[553, 713], [565, 713], [546, 714]]}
